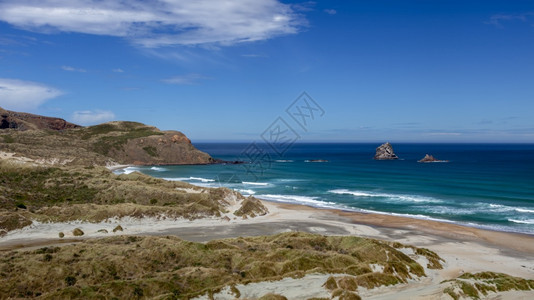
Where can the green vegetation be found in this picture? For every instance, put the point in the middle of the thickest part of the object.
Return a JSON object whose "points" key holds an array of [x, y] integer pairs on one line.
{"points": [[8, 139], [120, 142], [95, 194], [168, 267], [434, 261], [475, 285], [152, 151], [106, 143]]}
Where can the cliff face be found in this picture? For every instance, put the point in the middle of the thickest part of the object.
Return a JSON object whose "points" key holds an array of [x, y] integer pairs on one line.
{"points": [[26, 121], [55, 140], [385, 152], [135, 143]]}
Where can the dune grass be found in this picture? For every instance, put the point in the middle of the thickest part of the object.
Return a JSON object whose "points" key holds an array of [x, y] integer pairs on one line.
{"points": [[170, 268], [94, 194], [481, 284]]}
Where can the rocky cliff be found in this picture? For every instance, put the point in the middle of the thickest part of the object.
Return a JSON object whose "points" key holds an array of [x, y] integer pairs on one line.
{"points": [[385, 152], [53, 140], [139, 144], [26, 121]]}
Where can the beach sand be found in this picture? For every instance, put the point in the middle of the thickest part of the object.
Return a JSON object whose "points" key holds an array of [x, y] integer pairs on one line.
{"points": [[464, 249]]}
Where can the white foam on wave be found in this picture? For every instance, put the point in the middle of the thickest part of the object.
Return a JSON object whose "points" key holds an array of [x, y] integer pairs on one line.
{"points": [[203, 182], [528, 221], [284, 160], [395, 197], [201, 179], [504, 208], [299, 200], [256, 183], [290, 179], [347, 192], [245, 191], [159, 169], [129, 170], [441, 210]]}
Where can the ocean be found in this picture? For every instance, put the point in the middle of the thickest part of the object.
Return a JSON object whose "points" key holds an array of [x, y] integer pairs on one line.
{"points": [[487, 186]]}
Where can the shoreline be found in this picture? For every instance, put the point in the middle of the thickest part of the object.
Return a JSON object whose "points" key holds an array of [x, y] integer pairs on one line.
{"points": [[363, 212], [463, 249], [401, 216], [365, 224], [443, 229]]}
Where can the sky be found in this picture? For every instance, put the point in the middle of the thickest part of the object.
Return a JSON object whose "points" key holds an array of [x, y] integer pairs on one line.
{"points": [[219, 70]]}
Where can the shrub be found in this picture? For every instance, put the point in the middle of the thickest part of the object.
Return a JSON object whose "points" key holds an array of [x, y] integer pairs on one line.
{"points": [[70, 280], [77, 232]]}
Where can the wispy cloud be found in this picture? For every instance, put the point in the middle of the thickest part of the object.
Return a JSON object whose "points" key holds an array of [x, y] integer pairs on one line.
{"points": [[188, 79], [158, 23], [330, 11], [24, 95], [254, 55], [118, 70], [498, 20], [90, 117], [73, 69]]}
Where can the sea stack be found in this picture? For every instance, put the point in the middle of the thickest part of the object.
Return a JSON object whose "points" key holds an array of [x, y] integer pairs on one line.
{"points": [[429, 159], [385, 152]]}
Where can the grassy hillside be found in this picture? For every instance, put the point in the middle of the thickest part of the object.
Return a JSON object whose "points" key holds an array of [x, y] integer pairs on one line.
{"points": [[114, 142], [169, 268], [94, 194]]}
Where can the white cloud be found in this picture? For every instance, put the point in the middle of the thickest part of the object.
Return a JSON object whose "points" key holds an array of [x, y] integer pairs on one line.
{"points": [[498, 20], [72, 69], [118, 70], [158, 23], [330, 11], [188, 79], [89, 117], [254, 55], [24, 95]]}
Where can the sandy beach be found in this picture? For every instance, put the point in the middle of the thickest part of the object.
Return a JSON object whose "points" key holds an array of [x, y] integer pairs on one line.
{"points": [[464, 249]]}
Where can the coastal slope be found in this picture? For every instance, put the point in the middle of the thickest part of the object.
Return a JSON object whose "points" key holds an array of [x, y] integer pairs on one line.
{"points": [[53, 140]]}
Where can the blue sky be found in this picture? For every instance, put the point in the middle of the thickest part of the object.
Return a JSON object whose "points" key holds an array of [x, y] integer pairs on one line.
{"points": [[413, 71]]}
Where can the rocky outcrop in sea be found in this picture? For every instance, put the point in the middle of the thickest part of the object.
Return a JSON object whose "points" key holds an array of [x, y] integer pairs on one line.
{"points": [[385, 152], [430, 159]]}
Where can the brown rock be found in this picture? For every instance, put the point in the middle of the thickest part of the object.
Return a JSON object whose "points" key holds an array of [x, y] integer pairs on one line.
{"points": [[385, 152], [429, 159], [26, 121]]}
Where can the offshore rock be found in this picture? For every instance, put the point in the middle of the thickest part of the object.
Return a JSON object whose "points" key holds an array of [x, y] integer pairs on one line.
{"points": [[385, 152], [430, 159]]}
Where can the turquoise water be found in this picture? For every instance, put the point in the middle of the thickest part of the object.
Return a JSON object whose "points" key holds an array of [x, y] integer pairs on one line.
{"points": [[489, 186]]}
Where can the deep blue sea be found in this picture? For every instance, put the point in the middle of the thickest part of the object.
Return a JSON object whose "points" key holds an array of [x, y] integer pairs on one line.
{"points": [[483, 185]]}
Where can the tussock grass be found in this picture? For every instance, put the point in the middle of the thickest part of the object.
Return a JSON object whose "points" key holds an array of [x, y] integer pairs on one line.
{"points": [[57, 194], [168, 267], [474, 285]]}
